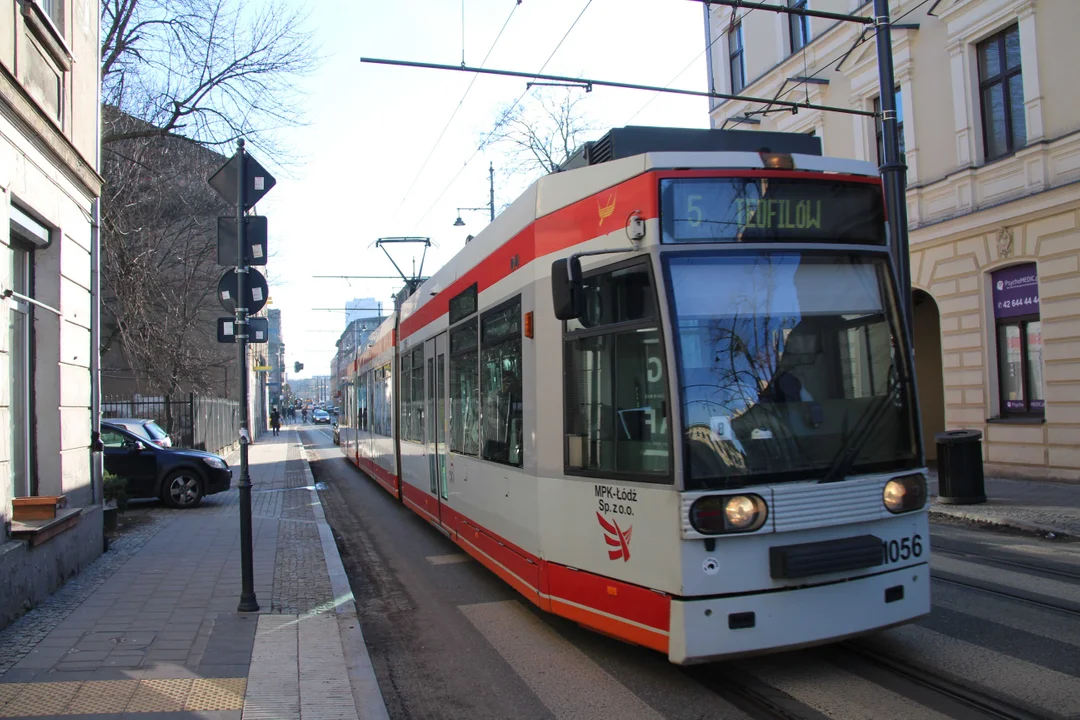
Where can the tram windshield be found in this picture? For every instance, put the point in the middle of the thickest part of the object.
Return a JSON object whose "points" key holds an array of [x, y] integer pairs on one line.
{"points": [[783, 359]]}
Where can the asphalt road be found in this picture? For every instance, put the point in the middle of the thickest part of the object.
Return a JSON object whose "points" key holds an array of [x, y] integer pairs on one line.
{"points": [[448, 639]]}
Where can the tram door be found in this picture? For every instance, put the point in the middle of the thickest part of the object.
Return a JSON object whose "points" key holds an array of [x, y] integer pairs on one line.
{"points": [[435, 359]]}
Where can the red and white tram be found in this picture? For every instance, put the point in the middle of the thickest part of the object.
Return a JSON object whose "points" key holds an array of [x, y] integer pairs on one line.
{"points": [[716, 450]]}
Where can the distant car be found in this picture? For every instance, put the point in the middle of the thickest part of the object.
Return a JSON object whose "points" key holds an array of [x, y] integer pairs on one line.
{"points": [[153, 432], [181, 478], [320, 417]]}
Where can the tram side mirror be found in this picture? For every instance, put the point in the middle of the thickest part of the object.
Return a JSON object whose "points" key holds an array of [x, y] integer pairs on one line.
{"points": [[567, 289]]}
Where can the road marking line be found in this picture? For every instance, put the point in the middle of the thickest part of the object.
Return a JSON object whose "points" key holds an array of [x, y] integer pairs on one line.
{"points": [[448, 559], [564, 678]]}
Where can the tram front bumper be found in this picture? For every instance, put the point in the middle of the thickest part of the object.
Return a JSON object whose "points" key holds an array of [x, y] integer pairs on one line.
{"points": [[721, 628]]}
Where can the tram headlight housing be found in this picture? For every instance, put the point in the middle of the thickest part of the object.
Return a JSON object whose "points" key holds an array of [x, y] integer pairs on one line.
{"points": [[905, 493], [724, 514]]}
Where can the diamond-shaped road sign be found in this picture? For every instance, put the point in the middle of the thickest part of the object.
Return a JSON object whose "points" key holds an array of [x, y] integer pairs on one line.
{"points": [[257, 181], [258, 330], [255, 288]]}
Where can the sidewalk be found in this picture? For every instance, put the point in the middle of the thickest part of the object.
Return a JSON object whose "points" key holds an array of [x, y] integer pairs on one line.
{"points": [[1040, 506], [150, 629]]}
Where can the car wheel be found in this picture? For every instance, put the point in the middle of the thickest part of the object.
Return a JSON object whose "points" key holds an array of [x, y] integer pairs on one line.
{"points": [[182, 489]]}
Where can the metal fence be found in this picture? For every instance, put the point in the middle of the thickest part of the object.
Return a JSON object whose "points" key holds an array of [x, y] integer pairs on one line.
{"points": [[192, 421]]}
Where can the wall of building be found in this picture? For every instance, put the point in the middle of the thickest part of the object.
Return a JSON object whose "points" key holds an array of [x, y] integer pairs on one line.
{"points": [[47, 155], [968, 216]]}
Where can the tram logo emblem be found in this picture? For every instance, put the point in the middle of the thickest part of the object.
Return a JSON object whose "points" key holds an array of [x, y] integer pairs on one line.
{"points": [[605, 211], [618, 540]]}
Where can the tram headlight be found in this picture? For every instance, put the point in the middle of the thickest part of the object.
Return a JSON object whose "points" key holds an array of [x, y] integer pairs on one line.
{"points": [[720, 514], [904, 494]]}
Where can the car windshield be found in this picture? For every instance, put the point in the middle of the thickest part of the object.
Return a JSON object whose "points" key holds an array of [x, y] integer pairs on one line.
{"points": [[782, 356], [155, 431]]}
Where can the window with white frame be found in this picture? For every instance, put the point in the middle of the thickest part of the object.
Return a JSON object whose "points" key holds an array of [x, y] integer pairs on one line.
{"points": [[736, 61], [1001, 93], [798, 26], [899, 127], [54, 9]]}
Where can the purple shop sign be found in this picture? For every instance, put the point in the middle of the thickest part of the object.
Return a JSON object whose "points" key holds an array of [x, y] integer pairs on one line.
{"points": [[1016, 291]]}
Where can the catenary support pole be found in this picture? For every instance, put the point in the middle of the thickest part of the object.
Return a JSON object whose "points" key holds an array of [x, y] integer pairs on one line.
{"points": [[248, 603], [491, 189], [893, 169]]}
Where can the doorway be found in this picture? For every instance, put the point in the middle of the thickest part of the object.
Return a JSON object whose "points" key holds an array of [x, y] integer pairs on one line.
{"points": [[926, 337]]}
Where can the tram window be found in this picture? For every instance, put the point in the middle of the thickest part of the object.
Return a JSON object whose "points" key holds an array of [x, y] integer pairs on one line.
{"points": [[620, 295], [500, 385], [464, 389], [463, 304], [405, 397], [417, 418], [615, 385], [616, 419]]}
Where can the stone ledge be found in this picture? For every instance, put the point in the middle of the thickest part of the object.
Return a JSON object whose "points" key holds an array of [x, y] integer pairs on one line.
{"points": [[982, 518], [36, 532]]}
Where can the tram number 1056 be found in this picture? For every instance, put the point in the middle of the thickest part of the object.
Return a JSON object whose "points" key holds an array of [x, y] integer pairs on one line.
{"points": [[903, 549]]}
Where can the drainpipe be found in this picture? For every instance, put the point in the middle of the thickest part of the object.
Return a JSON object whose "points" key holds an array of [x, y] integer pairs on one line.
{"points": [[96, 458]]}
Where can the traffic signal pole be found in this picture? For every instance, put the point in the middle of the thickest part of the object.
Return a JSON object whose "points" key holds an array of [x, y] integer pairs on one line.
{"points": [[248, 603]]}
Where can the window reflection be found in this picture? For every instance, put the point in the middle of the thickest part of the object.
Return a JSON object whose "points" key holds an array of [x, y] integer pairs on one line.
{"points": [[781, 355]]}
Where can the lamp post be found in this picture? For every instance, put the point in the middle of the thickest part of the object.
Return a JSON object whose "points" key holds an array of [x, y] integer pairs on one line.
{"points": [[490, 207]]}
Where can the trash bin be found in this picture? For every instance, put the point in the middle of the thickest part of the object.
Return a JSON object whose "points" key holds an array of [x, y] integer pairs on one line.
{"points": [[960, 467]]}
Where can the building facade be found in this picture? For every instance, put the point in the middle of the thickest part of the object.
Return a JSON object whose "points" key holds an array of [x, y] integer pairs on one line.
{"points": [[355, 336], [49, 111], [990, 124]]}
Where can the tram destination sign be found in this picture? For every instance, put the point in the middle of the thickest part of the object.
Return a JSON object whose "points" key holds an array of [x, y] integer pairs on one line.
{"points": [[770, 209]]}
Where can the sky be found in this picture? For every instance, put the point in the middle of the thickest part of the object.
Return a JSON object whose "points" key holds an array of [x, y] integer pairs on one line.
{"points": [[368, 164]]}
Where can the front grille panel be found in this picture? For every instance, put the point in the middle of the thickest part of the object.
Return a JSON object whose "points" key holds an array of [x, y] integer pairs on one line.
{"points": [[805, 506]]}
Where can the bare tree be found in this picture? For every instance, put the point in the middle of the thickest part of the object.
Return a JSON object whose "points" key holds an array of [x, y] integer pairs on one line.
{"points": [[208, 70], [158, 261], [180, 77], [541, 132]]}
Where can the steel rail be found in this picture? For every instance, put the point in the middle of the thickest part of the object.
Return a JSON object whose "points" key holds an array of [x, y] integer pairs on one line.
{"points": [[981, 699]]}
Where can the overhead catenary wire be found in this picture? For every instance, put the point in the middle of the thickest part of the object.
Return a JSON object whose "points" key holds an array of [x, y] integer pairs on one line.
{"points": [[735, 21], [864, 37], [464, 95], [483, 143]]}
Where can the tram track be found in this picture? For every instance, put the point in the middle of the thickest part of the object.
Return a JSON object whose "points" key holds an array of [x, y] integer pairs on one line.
{"points": [[981, 700], [1010, 592]]}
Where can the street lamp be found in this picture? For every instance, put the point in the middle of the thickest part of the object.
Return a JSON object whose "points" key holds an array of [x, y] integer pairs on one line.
{"points": [[491, 199]]}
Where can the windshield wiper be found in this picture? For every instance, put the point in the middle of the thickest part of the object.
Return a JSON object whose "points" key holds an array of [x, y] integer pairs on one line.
{"points": [[846, 457]]}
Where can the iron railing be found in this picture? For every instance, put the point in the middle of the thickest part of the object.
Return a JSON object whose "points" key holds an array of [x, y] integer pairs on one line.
{"points": [[192, 421]]}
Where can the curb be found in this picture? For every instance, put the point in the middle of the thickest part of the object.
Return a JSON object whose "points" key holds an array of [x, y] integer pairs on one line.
{"points": [[365, 686], [1000, 521]]}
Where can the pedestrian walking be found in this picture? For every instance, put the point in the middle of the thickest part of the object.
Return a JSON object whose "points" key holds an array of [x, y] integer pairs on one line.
{"points": [[275, 420]]}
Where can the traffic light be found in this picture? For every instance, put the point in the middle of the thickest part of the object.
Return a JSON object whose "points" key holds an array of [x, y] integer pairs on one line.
{"points": [[298, 366]]}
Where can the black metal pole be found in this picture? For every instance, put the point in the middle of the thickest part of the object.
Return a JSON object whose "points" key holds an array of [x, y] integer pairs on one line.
{"points": [[893, 170], [248, 603], [894, 178], [491, 188]]}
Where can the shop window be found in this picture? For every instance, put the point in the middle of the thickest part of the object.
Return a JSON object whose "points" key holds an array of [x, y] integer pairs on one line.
{"points": [[615, 387], [1019, 341], [500, 384], [1001, 94], [464, 389]]}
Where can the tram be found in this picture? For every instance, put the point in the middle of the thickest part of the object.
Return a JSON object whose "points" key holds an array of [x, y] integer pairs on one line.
{"points": [[667, 394]]}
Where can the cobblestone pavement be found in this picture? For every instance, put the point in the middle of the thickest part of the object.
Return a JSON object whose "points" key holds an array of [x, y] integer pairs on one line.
{"points": [[152, 626], [1036, 505]]}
